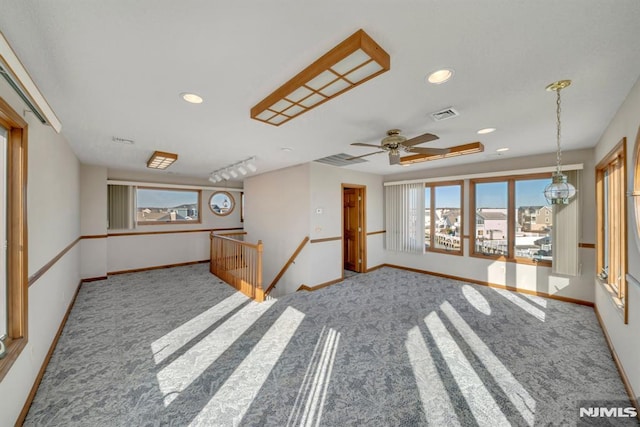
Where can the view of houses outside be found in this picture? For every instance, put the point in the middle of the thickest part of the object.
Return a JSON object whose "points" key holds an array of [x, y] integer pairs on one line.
{"points": [[533, 219], [446, 217], [166, 205]]}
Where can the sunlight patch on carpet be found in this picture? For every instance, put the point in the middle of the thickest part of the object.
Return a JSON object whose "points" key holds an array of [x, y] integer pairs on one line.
{"points": [[433, 393], [233, 399], [316, 381], [476, 299], [174, 340], [526, 306], [520, 398], [179, 374], [483, 407]]}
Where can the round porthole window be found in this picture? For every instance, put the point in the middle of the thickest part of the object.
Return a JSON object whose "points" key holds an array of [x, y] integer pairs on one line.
{"points": [[221, 203]]}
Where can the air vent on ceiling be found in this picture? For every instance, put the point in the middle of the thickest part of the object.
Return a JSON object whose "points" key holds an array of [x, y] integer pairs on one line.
{"points": [[119, 140], [445, 114], [340, 160]]}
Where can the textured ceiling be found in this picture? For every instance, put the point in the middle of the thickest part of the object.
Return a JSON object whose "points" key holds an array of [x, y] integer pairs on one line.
{"points": [[116, 68]]}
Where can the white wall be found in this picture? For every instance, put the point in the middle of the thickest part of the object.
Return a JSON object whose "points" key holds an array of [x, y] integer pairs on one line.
{"points": [[326, 194], [625, 338], [93, 221], [527, 277], [277, 212], [53, 223], [281, 209], [151, 250]]}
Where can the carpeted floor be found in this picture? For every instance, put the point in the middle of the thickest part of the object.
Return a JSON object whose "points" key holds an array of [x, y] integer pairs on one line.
{"points": [[178, 347]]}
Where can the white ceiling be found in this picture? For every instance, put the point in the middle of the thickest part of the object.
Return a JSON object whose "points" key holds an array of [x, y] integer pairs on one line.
{"points": [[116, 68]]}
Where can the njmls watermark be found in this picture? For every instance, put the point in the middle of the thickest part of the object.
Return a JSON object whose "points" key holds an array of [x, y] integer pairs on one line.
{"points": [[607, 410]]}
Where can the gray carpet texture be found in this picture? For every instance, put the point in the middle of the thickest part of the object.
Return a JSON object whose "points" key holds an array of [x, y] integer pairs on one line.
{"points": [[177, 347]]}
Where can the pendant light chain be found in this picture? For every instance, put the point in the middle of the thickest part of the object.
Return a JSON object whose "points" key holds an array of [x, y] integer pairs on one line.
{"points": [[559, 151], [559, 191]]}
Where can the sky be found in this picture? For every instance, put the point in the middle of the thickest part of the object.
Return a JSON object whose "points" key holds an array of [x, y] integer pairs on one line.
{"points": [[165, 198], [494, 194], [488, 195]]}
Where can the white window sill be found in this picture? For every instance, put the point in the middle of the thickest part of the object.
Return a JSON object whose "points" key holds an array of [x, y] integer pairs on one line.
{"points": [[617, 302]]}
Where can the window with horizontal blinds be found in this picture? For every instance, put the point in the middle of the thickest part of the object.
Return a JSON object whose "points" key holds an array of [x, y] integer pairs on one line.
{"points": [[121, 207], [404, 212]]}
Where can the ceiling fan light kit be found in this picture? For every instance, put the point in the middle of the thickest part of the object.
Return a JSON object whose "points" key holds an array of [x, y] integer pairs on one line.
{"points": [[354, 61], [394, 144], [559, 192]]}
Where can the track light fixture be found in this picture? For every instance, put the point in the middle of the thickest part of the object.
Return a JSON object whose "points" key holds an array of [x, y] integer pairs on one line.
{"points": [[234, 170]]}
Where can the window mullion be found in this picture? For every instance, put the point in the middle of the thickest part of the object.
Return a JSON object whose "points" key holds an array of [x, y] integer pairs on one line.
{"points": [[511, 223]]}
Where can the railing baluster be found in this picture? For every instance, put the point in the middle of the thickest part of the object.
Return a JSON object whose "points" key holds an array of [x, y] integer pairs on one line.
{"points": [[238, 263]]}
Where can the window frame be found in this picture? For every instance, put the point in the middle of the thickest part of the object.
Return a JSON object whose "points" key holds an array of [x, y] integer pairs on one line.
{"points": [[512, 214], [231, 198], [636, 183], [17, 241], [432, 193], [160, 188], [618, 294]]}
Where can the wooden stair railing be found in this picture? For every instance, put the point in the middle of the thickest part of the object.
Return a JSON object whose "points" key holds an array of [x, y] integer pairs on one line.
{"points": [[287, 265], [238, 263]]}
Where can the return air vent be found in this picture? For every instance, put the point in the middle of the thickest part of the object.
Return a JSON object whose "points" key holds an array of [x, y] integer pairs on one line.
{"points": [[445, 114], [340, 160]]}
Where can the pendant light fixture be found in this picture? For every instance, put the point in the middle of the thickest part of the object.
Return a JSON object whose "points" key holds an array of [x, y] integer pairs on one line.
{"points": [[559, 191]]}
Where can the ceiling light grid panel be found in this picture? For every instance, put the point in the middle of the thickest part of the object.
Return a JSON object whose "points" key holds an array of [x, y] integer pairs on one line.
{"points": [[161, 160], [349, 64]]}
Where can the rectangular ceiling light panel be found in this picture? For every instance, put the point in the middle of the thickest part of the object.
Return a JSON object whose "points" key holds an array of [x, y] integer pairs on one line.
{"points": [[458, 150], [352, 62], [161, 160]]}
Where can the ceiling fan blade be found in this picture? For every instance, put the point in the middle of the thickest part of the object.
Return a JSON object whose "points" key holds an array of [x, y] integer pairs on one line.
{"points": [[430, 151], [364, 155], [394, 159], [420, 139], [361, 144]]}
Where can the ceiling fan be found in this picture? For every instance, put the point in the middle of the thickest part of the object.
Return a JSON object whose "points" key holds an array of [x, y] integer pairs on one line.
{"points": [[394, 144]]}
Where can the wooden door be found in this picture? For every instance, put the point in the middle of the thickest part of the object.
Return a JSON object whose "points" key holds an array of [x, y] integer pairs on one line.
{"points": [[352, 228]]}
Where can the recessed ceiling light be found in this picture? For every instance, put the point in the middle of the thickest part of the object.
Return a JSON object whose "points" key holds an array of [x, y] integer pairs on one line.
{"points": [[440, 76], [287, 149], [486, 130], [191, 98], [502, 150]]}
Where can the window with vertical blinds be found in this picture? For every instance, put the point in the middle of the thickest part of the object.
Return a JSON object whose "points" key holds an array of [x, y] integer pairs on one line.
{"points": [[121, 207], [566, 231], [404, 210]]}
